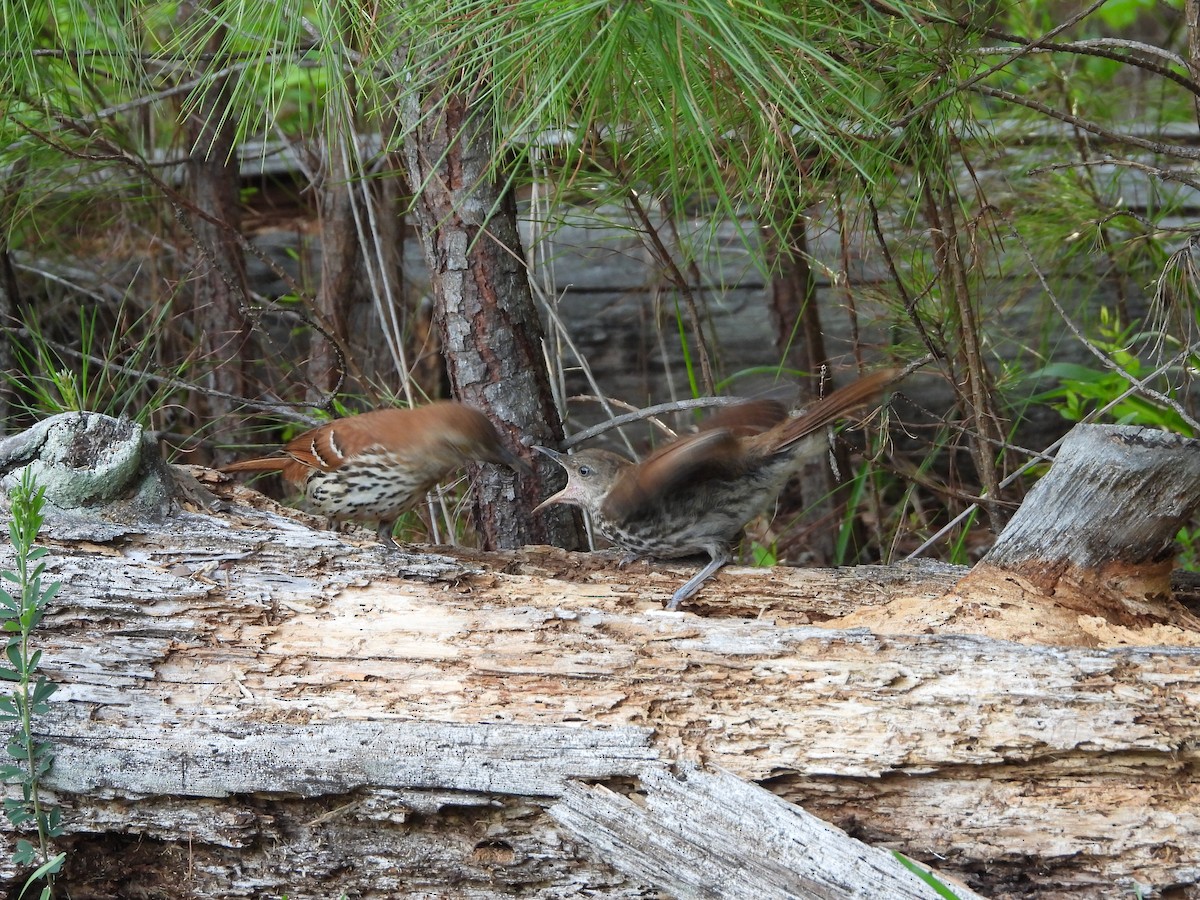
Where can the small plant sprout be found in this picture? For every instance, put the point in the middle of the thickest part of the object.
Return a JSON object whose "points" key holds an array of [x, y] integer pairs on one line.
{"points": [[22, 606]]}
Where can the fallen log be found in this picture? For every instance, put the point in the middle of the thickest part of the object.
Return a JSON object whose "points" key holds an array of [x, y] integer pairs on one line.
{"points": [[250, 706]]}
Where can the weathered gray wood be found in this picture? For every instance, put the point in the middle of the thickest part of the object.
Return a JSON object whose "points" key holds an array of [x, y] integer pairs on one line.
{"points": [[1097, 532], [339, 757], [714, 836], [261, 707]]}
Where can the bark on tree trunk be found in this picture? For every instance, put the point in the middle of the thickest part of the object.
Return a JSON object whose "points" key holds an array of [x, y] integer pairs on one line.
{"points": [[490, 333], [251, 707], [217, 267]]}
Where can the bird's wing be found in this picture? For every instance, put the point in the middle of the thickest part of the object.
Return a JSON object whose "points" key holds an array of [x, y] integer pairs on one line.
{"points": [[745, 419], [713, 453]]}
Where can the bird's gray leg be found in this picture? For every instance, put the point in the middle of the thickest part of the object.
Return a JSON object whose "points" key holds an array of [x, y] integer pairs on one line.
{"points": [[719, 556], [385, 535]]}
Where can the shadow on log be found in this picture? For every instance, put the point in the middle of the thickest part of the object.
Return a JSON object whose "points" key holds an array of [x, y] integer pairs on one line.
{"points": [[250, 706]]}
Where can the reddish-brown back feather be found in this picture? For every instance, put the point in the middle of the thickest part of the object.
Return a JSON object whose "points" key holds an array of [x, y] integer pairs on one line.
{"points": [[730, 442]]}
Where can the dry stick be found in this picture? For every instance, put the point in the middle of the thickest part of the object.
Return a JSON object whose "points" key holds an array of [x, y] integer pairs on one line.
{"points": [[182, 205], [1086, 125], [649, 414], [1138, 385], [565, 336], [848, 291], [1099, 48], [977, 393], [562, 333], [1089, 418], [695, 277], [910, 302], [1155, 171], [383, 293], [979, 76], [681, 283], [679, 405]]}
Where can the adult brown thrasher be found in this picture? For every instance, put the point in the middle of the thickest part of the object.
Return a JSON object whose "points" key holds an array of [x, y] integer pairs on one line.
{"points": [[375, 466], [696, 494]]}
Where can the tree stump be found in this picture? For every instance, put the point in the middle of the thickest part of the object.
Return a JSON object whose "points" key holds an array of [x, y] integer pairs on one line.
{"points": [[1097, 533]]}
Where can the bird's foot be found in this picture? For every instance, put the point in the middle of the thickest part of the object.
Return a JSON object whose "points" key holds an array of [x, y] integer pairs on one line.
{"points": [[627, 559], [696, 582], [385, 537]]}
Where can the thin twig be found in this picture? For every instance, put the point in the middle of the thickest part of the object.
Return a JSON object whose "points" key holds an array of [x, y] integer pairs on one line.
{"points": [[1089, 126], [680, 405], [1136, 387], [1004, 63]]}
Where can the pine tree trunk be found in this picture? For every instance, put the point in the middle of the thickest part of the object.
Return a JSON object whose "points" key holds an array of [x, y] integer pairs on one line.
{"points": [[217, 267], [491, 336]]}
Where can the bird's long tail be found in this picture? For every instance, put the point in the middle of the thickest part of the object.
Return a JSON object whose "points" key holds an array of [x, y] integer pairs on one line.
{"points": [[829, 409], [261, 464]]}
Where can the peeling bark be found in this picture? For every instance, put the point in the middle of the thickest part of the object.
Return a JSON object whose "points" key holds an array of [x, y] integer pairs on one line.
{"points": [[491, 336]]}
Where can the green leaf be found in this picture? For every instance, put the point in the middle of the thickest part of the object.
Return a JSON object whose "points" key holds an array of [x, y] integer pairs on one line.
{"points": [[44, 871], [26, 853], [54, 822], [16, 750], [763, 556], [9, 772], [13, 652], [43, 690], [927, 877]]}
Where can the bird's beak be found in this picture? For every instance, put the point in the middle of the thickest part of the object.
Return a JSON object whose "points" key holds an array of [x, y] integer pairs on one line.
{"points": [[562, 496]]}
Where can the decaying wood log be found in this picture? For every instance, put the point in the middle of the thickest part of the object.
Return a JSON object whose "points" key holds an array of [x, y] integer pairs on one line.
{"points": [[702, 835], [250, 706], [1097, 533]]}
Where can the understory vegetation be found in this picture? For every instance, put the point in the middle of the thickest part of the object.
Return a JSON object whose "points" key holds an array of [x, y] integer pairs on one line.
{"points": [[204, 225]]}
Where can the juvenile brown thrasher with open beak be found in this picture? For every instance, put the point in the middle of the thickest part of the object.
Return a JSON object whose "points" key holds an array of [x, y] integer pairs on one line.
{"points": [[696, 494], [375, 466]]}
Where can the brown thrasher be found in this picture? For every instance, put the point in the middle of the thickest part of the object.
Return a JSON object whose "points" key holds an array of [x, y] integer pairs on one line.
{"points": [[375, 466], [696, 494]]}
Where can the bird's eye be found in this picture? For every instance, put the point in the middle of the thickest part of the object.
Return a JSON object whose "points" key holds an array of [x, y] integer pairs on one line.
{"points": [[585, 471]]}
